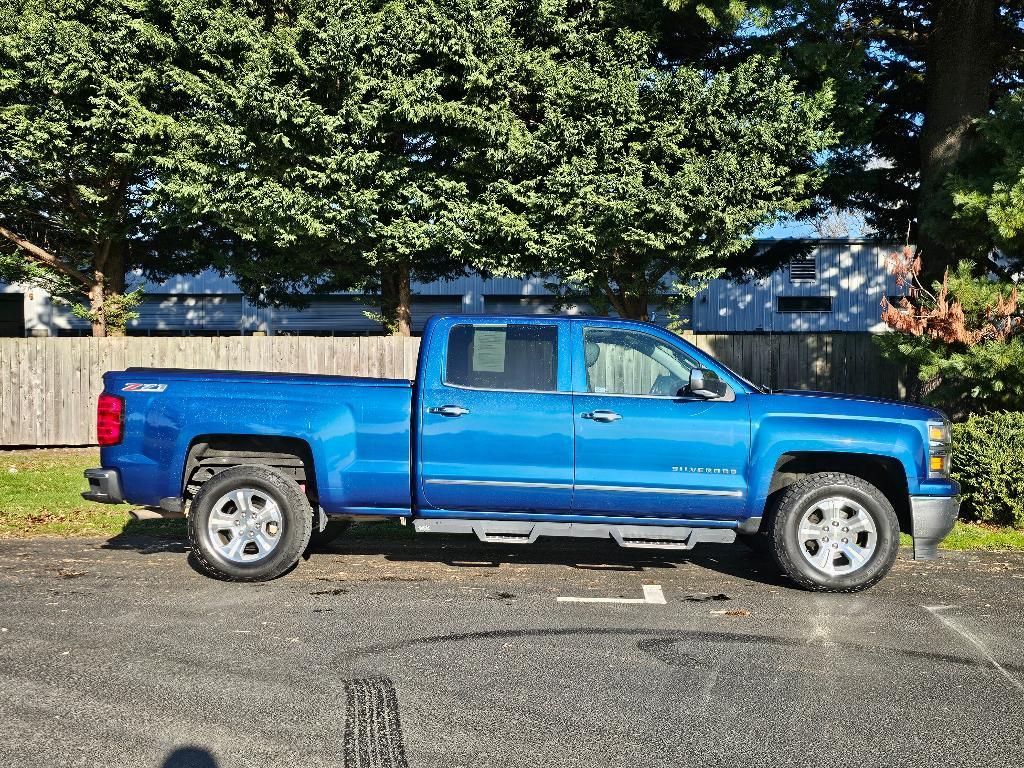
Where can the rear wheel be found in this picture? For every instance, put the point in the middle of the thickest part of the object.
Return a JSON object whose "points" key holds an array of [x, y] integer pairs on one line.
{"points": [[833, 532], [249, 523]]}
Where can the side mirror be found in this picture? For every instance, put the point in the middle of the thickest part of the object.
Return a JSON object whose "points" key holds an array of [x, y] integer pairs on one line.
{"points": [[706, 384]]}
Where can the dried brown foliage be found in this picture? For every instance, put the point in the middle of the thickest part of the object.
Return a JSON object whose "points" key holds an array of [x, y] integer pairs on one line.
{"points": [[940, 316]]}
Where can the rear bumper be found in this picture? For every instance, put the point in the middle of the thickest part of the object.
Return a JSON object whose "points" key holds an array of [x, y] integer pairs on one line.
{"points": [[104, 486], [933, 518]]}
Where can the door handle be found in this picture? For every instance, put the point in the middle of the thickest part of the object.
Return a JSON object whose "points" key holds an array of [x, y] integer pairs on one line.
{"points": [[602, 416], [449, 410]]}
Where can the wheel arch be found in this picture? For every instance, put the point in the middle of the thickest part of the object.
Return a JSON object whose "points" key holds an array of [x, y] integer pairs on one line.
{"points": [[210, 454], [886, 473]]}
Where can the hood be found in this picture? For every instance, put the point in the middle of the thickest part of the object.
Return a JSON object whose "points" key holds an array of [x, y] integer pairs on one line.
{"points": [[805, 401], [835, 396]]}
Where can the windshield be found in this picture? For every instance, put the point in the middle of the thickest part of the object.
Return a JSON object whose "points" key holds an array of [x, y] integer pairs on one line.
{"points": [[731, 372], [744, 379]]}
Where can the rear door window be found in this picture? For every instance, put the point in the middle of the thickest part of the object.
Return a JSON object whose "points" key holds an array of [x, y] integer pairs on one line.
{"points": [[512, 357]]}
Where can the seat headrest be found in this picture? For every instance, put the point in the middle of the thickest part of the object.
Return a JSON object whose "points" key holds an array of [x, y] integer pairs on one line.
{"points": [[591, 352]]}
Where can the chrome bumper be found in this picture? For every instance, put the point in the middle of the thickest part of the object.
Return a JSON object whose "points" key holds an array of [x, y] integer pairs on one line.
{"points": [[933, 518]]}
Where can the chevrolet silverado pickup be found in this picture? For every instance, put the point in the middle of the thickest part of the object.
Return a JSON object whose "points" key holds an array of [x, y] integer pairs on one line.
{"points": [[520, 427]]}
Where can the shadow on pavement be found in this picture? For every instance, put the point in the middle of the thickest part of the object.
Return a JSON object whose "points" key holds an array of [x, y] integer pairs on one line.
{"points": [[150, 536], [189, 757], [585, 554], [402, 545]]}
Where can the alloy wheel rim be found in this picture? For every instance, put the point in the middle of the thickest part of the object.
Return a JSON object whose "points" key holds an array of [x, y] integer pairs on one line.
{"points": [[837, 535], [245, 525]]}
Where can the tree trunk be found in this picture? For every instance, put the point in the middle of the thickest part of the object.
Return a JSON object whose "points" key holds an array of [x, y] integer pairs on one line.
{"points": [[114, 287], [960, 65], [634, 306], [114, 269], [396, 300], [97, 299], [108, 283], [404, 319]]}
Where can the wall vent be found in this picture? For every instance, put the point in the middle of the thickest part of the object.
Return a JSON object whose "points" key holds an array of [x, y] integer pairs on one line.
{"points": [[803, 269]]}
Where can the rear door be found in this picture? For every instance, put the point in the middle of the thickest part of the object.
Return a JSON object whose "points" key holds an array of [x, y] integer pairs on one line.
{"points": [[496, 422]]}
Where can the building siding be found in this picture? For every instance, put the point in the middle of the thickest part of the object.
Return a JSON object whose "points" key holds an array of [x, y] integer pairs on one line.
{"points": [[852, 273]]}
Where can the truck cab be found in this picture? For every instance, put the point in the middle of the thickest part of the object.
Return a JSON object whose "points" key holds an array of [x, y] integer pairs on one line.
{"points": [[588, 420], [520, 427]]}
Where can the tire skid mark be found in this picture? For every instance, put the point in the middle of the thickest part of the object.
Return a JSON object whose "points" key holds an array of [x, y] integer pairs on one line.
{"points": [[373, 729], [954, 626], [662, 636]]}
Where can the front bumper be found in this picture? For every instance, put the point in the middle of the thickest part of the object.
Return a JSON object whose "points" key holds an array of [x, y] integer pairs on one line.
{"points": [[104, 486], [933, 518]]}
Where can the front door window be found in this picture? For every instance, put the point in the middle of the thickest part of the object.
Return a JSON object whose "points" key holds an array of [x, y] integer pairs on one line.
{"points": [[626, 362]]}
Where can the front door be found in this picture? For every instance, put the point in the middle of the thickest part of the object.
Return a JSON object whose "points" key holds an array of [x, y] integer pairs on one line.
{"points": [[496, 430], [646, 447]]}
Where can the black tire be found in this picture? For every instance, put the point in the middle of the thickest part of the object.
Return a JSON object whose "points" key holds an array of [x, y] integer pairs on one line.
{"points": [[334, 529], [291, 538], [784, 524]]}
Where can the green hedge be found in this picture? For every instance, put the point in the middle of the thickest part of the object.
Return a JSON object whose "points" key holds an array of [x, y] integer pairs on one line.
{"points": [[988, 460]]}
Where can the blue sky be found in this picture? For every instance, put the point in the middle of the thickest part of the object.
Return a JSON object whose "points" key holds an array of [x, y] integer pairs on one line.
{"points": [[790, 227]]}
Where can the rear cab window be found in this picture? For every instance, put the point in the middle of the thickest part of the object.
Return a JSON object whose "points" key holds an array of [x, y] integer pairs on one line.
{"points": [[517, 357]]}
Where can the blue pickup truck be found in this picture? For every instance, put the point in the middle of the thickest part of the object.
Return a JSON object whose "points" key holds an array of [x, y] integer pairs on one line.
{"points": [[519, 427]]}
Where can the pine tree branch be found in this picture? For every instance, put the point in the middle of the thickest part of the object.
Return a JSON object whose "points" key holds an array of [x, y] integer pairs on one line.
{"points": [[47, 258], [613, 299]]}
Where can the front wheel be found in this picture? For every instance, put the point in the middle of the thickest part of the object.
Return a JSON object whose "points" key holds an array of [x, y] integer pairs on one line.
{"points": [[249, 523], [833, 532]]}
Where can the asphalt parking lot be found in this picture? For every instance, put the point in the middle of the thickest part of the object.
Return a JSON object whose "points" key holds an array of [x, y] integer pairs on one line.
{"points": [[447, 652]]}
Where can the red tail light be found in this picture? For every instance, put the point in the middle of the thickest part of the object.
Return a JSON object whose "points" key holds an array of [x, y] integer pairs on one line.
{"points": [[109, 419]]}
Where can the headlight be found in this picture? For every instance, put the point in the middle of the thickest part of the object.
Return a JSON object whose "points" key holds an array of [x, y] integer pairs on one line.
{"points": [[938, 449]]}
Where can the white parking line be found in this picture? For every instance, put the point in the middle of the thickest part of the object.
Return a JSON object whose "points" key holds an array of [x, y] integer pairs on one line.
{"points": [[652, 595], [954, 626]]}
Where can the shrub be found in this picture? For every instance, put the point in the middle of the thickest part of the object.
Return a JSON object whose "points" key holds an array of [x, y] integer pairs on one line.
{"points": [[964, 338], [988, 461]]}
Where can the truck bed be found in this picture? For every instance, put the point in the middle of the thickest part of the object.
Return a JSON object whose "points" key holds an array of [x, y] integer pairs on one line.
{"points": [[205, 374], [357, 429]]}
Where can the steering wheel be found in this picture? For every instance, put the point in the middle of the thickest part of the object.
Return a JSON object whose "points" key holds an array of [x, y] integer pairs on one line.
{"points": [[667, 385]]}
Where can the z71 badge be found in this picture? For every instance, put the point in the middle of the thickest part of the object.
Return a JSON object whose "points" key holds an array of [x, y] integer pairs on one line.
{"points": [[143, 387]]}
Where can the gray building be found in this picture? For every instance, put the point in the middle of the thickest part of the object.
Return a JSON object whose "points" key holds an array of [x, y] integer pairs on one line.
{"points": [[837, 288]]}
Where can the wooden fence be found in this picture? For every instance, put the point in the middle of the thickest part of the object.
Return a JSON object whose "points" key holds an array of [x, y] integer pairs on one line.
{"points": [[48, 386], [826, 362]]}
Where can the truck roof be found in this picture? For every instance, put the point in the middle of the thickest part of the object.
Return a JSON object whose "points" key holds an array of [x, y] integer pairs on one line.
{"points": [[498, 319]]}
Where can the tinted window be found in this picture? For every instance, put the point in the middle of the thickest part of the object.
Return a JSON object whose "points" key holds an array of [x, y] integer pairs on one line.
{"points": [[503, 357], [803, 303], [633, 363]]}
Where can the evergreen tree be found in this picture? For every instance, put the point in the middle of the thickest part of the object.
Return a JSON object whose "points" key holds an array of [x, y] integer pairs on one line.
{"points": [[636, 169], [914, 79], [356, 147], [962, 337], [988, 190], [89, 98]]}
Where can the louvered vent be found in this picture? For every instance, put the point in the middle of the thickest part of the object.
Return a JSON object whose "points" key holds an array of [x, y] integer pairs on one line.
{"points": [[803, 269]]}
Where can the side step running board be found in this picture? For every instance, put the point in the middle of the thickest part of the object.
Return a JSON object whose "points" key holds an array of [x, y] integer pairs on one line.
{"points": [[633, 536]]}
